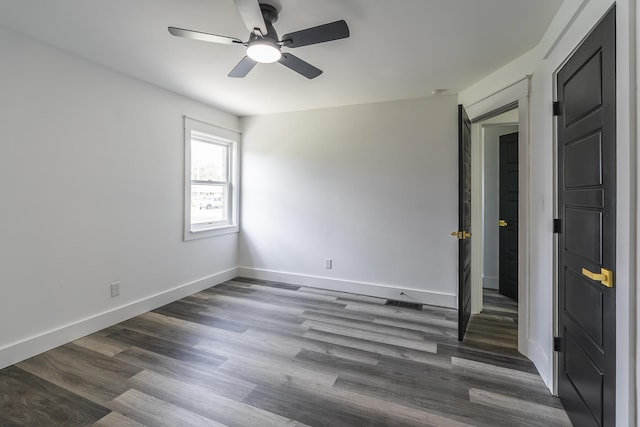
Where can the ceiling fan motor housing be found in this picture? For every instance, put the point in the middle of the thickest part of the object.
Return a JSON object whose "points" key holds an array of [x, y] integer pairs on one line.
{"points": [[270, 15]]}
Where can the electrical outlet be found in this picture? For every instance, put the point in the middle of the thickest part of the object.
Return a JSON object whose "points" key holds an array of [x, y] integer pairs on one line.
{"points": [[115, 289], [328, 263]]}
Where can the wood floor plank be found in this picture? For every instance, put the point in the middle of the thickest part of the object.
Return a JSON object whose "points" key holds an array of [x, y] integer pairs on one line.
{"points": [[301, 300], [265, 312], [218, 341], [342, 314], [231, 347], [101, 344], [165, 328], [369, 335], [289, 324], [86, 373], [220, 300], [363, 325], [454, 406], [509, 360], [438, 404], [115, 419], [198, 317], [448, 380], [244, 288], [342, 296], [167, 348], [26, 399], [433, 324], [205, 376], [311, 405], [520, 376], [537, 414], [297, 343], [204, 402], [275, 371], [290, 297], [260, 282], [151, 411], [371, 346], [392, 312]]}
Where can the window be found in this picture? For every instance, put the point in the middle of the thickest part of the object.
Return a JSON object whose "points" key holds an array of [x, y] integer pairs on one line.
{"points": [[211, 176]]}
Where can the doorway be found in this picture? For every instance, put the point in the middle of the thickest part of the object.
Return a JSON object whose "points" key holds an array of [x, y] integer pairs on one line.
{"points": [[512, 99], [495, 185], [495, 157], [499, 194]]}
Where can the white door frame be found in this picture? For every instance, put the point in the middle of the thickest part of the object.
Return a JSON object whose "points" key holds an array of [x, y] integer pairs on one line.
{"points": [[517, 92]]}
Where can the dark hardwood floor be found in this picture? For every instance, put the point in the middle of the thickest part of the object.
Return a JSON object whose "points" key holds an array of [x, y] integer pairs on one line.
{"points": [[256, 353]]}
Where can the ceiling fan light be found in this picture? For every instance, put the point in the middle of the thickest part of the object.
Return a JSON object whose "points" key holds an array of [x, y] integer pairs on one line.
{"points": [[263, 52]]}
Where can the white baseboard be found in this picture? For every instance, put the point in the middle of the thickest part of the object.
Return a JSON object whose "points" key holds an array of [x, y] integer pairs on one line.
{"points": [[542, 363], [490, 282], [30, 347], [370, 289]]}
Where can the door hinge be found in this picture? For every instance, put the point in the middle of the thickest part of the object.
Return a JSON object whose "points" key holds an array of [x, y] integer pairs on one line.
{"points": [[557, 225], [557, 111], [557, 344]]}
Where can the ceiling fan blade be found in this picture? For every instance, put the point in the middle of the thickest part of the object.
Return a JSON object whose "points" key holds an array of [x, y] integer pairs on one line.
{"points": [[197, 35], [299, 66], [320, 34], [251, 15], [242, 69]]}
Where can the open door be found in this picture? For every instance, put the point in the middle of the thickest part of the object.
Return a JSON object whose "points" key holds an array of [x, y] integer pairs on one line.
{"points": [[464, 221], [587, 239]]}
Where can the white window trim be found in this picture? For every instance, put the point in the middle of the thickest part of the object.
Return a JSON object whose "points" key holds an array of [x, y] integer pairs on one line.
{"points": [[224, 136]]}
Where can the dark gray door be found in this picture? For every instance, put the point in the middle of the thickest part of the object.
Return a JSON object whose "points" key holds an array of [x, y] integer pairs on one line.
{"points": [[586, 253], [508, 282], [464, 221]]}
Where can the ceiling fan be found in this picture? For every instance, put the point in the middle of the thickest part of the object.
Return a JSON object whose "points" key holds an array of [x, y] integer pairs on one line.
{"points": [[264, 46]]}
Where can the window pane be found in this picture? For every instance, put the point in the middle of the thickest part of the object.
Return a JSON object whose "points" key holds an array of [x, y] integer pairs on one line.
{"points": [[208, 161], [210, 187], [208, 204]]}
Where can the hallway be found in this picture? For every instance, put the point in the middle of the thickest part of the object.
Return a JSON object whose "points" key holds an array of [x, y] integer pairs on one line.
{"points": [[497, 325]]}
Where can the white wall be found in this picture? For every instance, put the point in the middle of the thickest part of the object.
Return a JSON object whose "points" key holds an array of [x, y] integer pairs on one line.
{"points": [[373, 187], [91, 192], [491, 194], [573, 22]]}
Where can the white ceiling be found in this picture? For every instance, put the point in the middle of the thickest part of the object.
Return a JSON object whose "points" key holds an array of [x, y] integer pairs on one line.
{"points": [[397, 49]]}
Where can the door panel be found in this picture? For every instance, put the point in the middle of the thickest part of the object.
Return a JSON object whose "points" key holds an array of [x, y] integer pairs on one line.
{"points": [[585, 377], [584, 305], [508, 281], [587, 172], [586, 206], [580, 98], [587, 245], [464, 221]]}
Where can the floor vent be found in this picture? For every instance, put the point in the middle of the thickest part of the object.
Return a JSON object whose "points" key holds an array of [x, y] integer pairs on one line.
{"points": [[404, 304]]}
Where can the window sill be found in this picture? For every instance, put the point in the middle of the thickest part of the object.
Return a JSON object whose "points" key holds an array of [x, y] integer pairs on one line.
{"points": [[210, 232]]}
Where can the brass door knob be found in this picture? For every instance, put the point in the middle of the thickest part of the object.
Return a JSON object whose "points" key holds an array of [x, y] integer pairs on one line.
{"points": [[502, 223], [605, 276], [461, 235]]}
